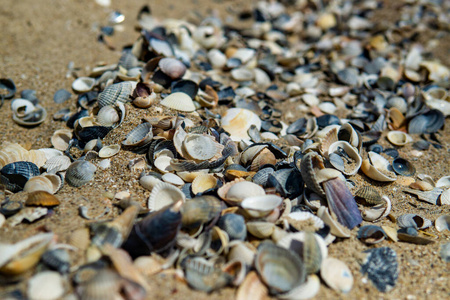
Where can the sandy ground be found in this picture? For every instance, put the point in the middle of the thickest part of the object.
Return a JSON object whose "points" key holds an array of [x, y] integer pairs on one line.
{"points": [[40, 38]]}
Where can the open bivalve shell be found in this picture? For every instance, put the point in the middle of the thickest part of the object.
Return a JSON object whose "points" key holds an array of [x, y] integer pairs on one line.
{"points": [[237, 121], [109, 151], [200, 147], [60, 139], [336, 275], [442, 223], [377, 168], [111, 115], [13, 152], [399, 138], [260, 206], [179, 101], [50, 183], [235, 191], [344, 157], [164, 194]]}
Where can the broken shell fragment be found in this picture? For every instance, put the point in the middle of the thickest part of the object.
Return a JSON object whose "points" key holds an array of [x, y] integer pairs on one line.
{"points": [[399, 138], [371, 234], [381, 266], [413, 220], [377, 168]]}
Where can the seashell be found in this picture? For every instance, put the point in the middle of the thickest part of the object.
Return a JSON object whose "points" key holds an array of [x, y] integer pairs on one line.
{"points": [[237, 121], [241, 250], [265, 157], [33, 118], [15, 175], [61, 96], [30, 214], [260, 206], [411, 235], [41, 198], [252, 288], [2, 220], [172, 179], [336, 275], [111, 115], [422, 185], [307, 290], [242, 74], [140, 136], [442, 223], [260, 229], [118, 92], [237, 269], [280, 269], [433, 197], [179, 101], [299, 219], [377, 212], [80, 238], [413, 220], [443, 182], [403, 167], [50, 183], [399, 138], [376, 167], [235, 191], [80, 172], [371, 234], [203, 182], [250, 153], [17, 258], [104, 284], [109, 151], [200, 147], [336, 228], [381, 266], [350, 157], [22, 107], [311, 248], [46, 285], [104, 164], [234, 226], [203, 275], [60, 139], [309, 165], [369, 194], [261, 177], [164, 163], [164, 194], [172, 67], [7, 84], [10, 208], [83, 84], [12, 152], [429, 122], [186, 86], [57, 259], [399, 103]]}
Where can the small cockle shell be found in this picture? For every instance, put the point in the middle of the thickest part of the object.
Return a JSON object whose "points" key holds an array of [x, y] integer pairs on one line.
{"points": [[60, 139], [203, 182], [350, 157], [164, 194], [15, 175], [80, 172], [50, 183], [369, 194], [12, 152], [280, 269], [111, 115], [235, 191], [376, 167], [399, 138], [310, 164], [109, 151], [118, 92], [260, 229], [237, 121], [413, 220], [260, 206], [32, 118], [442, 223], [200, 147], [252, 288], [381, 266], [179, 101], [24, 255], [371, 234], [45, 285], [141, 135], [172, 67], [83, 84], [149, 181], [336, 275]]}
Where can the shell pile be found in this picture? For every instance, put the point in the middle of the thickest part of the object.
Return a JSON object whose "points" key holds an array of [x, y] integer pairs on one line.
{"points": [[240, 193]]}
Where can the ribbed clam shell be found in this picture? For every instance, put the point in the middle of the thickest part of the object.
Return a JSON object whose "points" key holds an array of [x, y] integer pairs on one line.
{"points": [[200, 147], [46, 285], [203, 275], [179, 101], [429, 122], [381, 266], [280, 269], [234, 226], [139, 136], [172, 179], [308, 166], [370, 194], [12, 152], [118, 92], [336, 275], [57, 259], [172, 67], [109, 151], [57, 163], [50, 183], [203, 183], [262, 176], [80, 172], [371, 234], [164, 194], [106, 284], [15, 175], [108, 115], [306, 216], [413, 220]]}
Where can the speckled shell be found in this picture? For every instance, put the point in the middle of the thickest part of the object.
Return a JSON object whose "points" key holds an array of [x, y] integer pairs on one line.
{"points": [[80, 172]]}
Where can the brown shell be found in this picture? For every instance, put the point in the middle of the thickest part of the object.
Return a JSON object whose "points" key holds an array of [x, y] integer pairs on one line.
{"points": [[370, 195], [41, 198]]}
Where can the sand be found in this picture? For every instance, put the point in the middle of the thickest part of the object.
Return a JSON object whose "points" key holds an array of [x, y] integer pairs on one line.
{"points": [[40, 38]]}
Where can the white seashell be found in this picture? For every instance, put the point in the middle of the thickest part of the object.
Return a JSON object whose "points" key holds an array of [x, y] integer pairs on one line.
{"points": [[200, 147], [83, 84], [162, 163], [234, 192], [443, 182], [179, 101], [336, 275], [57, 163], [307, 290], [260, 206], [327, 107], [376, 167], [104, 164], [444, 199], [172, 178], [217, 58], [190, 176], [237, 121], [352, 152], [261, 78], [50, 183], [378, 212], [310, 99], [109, 151], [46, 285], [442, 223], [260, 229], [242, 74], [22, 107], [336, 228], [203, 182], [149, 181], [399, 138], [305, 216], [164, 194], [111, 115], [172, 67], [244, 54]]}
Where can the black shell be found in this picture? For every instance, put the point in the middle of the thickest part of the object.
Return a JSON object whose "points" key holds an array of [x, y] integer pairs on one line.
{"points": [[429, 122], [16, 174], [403, 167], [234, 226], [381, 267], [185, 86], [8, 84]]}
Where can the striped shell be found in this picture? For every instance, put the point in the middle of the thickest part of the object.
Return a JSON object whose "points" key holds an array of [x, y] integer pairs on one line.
{"points": [[199, 147], [370, 194], [139, 136], [164, 194], [12, 152], [111, 115], [116, 92], [80, 172], [57, 163], [41, 198], [50, 183], [179, 101], [413, 220]]}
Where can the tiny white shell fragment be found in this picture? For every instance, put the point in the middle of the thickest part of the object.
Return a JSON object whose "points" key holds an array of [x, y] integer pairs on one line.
{"points": [[104, 164], [83, 84]]}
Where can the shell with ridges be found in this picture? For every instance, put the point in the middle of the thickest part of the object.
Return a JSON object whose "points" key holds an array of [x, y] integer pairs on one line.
{"points": [[200, 147], [179, 101], [80, 172], [376, 167], [164, 194], [50, 183], [203, 183], [46, 285]]}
